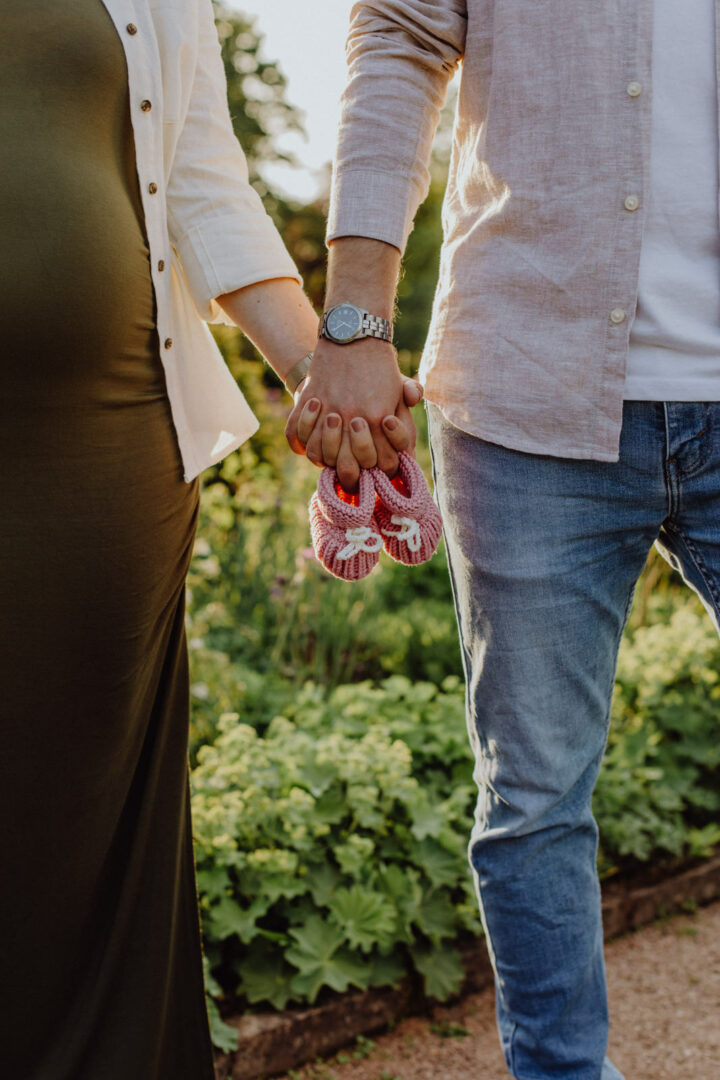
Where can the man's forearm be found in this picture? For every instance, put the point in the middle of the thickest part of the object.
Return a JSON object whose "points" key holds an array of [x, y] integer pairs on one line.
{"points": [[360, 380], [364, 272]]}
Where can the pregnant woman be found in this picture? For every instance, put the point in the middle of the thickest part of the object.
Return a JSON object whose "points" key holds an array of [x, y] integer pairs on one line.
{"points": [[125, 213]]}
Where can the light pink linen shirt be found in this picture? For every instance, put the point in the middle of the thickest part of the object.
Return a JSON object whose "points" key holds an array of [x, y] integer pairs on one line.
{"points": [[543, 216]]}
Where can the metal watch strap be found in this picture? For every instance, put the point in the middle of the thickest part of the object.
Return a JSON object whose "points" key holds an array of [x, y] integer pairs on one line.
{"points": [[377, 327], [296, 374], [370, 326]]}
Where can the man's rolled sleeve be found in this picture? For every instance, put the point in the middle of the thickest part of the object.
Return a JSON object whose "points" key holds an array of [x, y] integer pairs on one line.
{"points": [[378, 205], [401, 57]]}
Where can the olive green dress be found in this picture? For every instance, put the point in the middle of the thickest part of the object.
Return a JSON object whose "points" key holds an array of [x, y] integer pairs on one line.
{"points": [[101, 962]]}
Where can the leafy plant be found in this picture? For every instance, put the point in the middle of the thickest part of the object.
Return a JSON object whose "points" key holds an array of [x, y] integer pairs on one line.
{"points": [[658, 790], [315, 864], [448, 1029], [331, 840]]}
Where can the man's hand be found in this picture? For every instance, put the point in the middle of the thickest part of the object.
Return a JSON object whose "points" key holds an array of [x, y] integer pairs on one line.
{"points": [[352, 410]]}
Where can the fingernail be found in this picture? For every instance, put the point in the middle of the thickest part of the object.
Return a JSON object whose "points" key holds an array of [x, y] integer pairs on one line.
{"points": [[390, 422], [333, 420], [357, 424], [313, 404]]}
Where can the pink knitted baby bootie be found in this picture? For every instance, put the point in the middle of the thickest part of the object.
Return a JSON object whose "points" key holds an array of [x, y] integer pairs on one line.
{"points": [[344, 532], [408, 518]]}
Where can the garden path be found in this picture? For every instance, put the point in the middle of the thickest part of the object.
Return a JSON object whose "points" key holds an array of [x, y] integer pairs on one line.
{"points": [[664, 984]]}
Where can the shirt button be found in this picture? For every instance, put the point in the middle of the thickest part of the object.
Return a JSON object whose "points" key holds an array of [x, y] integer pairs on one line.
{"points": [[634, 89], [161, 265], [152, 188], [146, 105], [131, 28], [632, 202], [617, 315], [168, 343]]}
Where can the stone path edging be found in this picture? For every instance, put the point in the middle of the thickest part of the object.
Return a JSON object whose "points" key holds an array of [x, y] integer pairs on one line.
{"points": [[272, 1043]]}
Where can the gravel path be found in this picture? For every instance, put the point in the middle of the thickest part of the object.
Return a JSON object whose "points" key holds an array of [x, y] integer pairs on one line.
{"points": [[664, 986]]}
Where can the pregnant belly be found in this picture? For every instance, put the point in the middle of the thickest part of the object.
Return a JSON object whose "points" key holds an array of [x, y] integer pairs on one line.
{"points": [[77, 310]]}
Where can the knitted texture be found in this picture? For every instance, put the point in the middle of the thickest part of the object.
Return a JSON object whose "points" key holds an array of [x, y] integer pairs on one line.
{"points": [[406, 514], [344, 532]]}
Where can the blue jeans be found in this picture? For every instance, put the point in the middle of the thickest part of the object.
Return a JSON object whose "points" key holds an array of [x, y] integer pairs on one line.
{"points": [[544, 556]]}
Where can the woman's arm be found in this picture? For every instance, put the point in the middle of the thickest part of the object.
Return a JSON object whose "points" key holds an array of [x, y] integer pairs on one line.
{"points": [[277, 317], [217, 222]]}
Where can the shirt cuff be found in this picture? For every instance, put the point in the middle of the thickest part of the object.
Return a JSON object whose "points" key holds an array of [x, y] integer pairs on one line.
{"points": [[229, 252], [377, 205]]}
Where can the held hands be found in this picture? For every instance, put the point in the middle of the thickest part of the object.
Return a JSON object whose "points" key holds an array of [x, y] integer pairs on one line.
{"points": [[353, 409]]}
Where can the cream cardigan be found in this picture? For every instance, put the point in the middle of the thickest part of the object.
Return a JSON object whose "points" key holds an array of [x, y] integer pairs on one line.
{"points": [[207, 230]]}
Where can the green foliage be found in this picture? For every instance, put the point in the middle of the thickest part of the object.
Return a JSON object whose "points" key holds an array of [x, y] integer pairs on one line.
{"points": [[441, 967], [309, 868], [421, 261], [224, 1036], [447, 1029], [331, 840], [256, 91], [659, 790], [419, 275]]}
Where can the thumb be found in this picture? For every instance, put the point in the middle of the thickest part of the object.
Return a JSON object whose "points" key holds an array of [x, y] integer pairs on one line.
{"points": [[412, 392]]}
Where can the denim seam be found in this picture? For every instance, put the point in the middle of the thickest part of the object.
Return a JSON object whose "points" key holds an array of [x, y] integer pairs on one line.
{"points": [[669, 469], [466, 671], [702, 460], [618, 639], [464, 652], [700, 566], [699, 461]]}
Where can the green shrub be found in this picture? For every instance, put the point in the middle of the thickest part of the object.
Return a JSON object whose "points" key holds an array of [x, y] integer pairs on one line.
{"points": [[659, 790], [331, 841], [323, 862]]}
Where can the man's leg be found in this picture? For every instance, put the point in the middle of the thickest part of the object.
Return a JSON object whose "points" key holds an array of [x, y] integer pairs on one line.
{"points": [[544, 555], [690, 536]]}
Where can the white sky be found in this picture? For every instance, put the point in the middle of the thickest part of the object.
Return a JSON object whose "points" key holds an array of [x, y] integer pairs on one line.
{"points": [[307, 37]]}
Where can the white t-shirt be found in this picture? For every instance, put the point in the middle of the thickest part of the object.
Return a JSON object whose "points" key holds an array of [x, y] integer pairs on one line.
{"points": [[675, 337]]}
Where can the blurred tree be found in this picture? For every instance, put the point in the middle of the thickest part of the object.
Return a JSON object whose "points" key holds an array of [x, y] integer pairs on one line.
{"points": [[256, 92], [419, 277], [422, 256]]}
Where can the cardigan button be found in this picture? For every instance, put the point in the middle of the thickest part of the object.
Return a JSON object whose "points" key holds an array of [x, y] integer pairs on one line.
{"points": [[168, 343], [131, 28], [161, 265], [146, 105], [152, 188]]}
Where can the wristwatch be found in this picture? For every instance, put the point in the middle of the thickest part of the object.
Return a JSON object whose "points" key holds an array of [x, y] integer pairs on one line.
{"points": [[346, 322]]}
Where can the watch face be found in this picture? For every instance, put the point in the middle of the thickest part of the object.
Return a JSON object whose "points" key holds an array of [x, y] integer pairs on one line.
{"points": [[343, 322]]}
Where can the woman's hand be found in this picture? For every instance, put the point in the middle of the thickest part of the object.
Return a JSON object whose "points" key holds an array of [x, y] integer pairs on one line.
{"points": [[350, 446]]}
